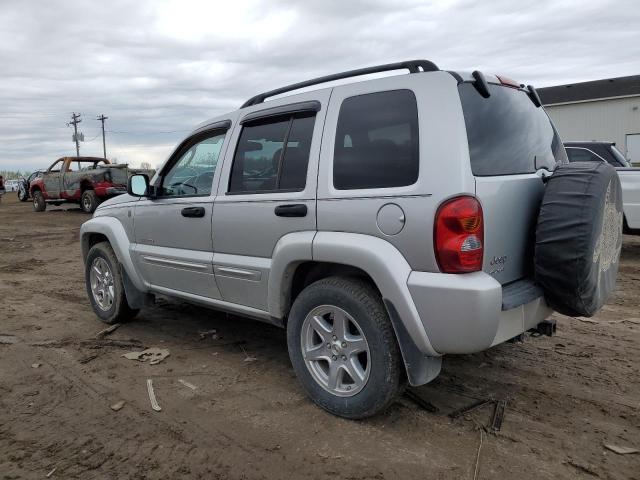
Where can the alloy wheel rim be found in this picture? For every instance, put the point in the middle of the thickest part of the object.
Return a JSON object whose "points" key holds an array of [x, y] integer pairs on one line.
{"points": [[335, 350], [102, 286]]}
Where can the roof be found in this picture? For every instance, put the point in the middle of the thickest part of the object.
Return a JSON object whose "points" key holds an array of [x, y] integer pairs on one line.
{"points": [[597, 89], [84, 159]]}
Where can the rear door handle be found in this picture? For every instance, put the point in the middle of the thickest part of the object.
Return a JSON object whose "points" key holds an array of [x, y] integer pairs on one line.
{"points": [[295, 210], [193, 212]]}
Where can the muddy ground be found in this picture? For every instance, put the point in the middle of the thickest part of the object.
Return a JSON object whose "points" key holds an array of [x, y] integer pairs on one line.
{"points": [[567, 396]]}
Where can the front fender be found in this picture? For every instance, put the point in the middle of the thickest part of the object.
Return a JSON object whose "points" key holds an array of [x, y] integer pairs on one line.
{"points": [[111, 228]]}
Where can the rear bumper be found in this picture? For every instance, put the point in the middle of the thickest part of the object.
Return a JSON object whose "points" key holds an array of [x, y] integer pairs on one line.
{"points": [[464, 313]]}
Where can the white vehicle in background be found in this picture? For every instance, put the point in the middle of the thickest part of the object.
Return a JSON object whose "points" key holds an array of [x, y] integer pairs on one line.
{"points": [[629, 176], [11, 185]]}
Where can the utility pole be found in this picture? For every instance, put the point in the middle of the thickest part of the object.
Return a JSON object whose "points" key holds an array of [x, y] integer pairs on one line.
{"points": [[75, 121], [102, 118]]}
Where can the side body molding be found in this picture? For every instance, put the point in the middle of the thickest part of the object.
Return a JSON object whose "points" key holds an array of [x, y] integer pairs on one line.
{"points": [[111, 228]]}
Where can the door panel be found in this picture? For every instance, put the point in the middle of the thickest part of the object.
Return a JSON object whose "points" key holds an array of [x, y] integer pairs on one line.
{"points": [[174, 245], [52, 184], [174, 251], [246, 227]]}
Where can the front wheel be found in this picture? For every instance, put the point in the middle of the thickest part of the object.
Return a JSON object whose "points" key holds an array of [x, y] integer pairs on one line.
{"points": [[104, 285], [39, 204], [22, 194], [343, 348]]}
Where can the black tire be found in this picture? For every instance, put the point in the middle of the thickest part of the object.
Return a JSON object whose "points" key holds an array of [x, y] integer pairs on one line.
{"points": [[386, 375], [23, 196], [89, 201], [579, 237], [39, 205], [119, 311]]}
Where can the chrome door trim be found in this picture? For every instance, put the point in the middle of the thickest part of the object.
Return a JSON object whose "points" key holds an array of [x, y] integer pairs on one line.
{"points": [[174, 263], [252, 275]]}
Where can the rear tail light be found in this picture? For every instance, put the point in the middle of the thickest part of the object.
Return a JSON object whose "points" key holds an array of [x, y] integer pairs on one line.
{"points": [[459, 235]]}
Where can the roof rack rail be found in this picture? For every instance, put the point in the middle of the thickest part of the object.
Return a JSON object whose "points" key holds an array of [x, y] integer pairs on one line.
{"points": [[414, 66]]}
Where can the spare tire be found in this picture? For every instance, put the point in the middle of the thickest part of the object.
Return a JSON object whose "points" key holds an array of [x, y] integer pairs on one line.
{"points": [[579, 237]]}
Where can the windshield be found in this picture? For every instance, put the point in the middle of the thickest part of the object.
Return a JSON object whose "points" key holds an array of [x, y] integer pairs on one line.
{"points": [[619, 157], [507, 133]]}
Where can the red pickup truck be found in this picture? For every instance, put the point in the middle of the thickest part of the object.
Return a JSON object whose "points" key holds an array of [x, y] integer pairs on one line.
{"points": [[84, 180]]}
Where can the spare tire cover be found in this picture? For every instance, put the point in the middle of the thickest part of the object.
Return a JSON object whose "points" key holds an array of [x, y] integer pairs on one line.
{"points": [[579, 237]]}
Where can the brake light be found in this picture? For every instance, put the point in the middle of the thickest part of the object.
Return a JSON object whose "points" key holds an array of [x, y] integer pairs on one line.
{"points": [[459, 235], [508, 82]]}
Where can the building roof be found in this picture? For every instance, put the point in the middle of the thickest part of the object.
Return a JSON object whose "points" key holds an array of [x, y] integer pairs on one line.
{"points": [[577, 92]]}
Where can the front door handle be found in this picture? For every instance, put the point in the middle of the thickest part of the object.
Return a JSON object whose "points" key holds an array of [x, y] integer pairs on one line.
{"points": [[295, 210], [193, 212]]}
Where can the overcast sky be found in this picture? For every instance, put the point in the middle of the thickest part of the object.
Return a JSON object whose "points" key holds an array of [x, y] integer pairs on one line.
{"points": [[157, 69]]}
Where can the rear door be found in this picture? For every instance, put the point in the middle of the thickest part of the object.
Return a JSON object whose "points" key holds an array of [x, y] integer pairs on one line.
{"points": [[267, 190], [512, 143]]}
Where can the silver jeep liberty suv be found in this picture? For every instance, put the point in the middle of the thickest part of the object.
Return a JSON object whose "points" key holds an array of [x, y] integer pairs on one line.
{"points": [[383, 223]]}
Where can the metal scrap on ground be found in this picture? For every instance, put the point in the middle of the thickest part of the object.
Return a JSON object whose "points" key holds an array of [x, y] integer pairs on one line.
{"points": [[497, 417], [107, 331], [117, 406], [187, 384], [621, 450], [154, 355], [152, 396]]}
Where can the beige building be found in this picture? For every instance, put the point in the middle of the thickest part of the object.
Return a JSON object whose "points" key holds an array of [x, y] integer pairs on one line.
{"points": [[601, 110]]}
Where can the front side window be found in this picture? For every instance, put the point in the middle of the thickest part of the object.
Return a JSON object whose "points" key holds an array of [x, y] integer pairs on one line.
{"points": [[56, 166], [377, 141], [192, 174], [272, 155]]}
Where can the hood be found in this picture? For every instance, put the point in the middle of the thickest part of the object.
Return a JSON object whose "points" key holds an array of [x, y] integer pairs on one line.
{"points": [[119, 200]]}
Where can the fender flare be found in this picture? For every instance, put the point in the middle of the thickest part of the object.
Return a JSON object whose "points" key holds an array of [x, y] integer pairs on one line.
{"points": [[390, 272], [111, 228]]}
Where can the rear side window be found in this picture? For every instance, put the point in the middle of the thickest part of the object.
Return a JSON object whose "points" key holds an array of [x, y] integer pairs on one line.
{"points": [[377, 141], [507, 134], [272, 155], [582, 155]]}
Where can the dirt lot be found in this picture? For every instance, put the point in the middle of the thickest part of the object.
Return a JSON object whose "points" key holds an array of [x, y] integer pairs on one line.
{"points": [[566, 396]]}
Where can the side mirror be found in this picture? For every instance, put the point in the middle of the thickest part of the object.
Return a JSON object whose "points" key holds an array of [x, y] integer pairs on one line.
{"points": [[138, 185]]}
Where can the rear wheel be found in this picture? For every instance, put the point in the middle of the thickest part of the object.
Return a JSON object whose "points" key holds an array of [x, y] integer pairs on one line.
{"points": [[343, 348], [39, 205], [89, 201], [104, 285]]}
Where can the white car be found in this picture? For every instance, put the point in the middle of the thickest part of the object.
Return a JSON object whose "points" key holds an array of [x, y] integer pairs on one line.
{"points": [[11, 185]]}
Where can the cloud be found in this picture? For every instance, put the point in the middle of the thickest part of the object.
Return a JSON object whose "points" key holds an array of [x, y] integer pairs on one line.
{"points": [[157, 69]]}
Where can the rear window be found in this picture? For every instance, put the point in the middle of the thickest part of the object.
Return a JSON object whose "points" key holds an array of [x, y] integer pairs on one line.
{"points": [[507, 134]]}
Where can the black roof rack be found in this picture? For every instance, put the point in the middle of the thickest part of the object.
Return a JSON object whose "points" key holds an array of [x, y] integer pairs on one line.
{"points": [[414, 66]]}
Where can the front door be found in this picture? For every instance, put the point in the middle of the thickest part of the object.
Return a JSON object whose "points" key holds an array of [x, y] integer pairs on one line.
{"points": [[51, 179], [267, 190], [174, 246]]}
